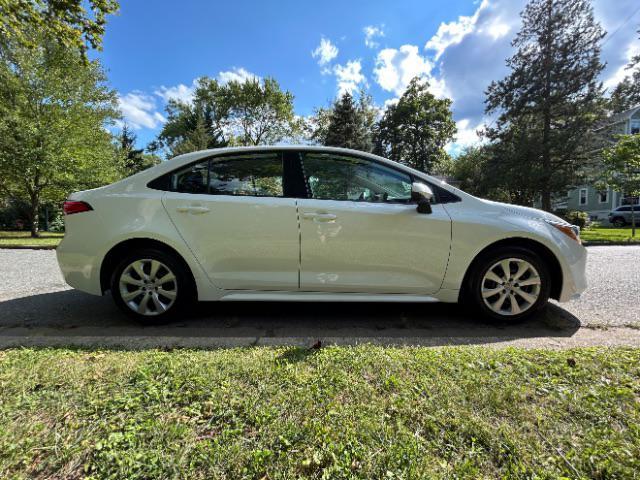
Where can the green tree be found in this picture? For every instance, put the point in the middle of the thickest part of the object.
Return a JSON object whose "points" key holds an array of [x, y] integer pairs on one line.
{"points": [[347, 123], [68, 21], [622, 169], [627, 93], [416, 129], [54, 107], [258, 112], [478, 169], [552, 98], [198, 124], [133, 159], [237, 113]]}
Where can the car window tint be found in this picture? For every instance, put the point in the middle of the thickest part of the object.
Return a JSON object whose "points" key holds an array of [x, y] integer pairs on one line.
{"points": [[253, 175], [192, 179], [333, 177]]}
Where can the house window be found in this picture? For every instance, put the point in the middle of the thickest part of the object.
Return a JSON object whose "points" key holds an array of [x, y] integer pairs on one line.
{"points": [[635, 127], [603, 196], [583, 196]]}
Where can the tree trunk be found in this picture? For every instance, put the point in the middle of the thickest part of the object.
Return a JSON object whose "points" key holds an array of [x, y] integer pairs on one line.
{"points": [[546, 199], [633, 219], [546, 113], [34, 215]]}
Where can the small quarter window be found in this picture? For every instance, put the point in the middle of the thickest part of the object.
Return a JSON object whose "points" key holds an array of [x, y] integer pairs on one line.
{"points": [[192, 179]]}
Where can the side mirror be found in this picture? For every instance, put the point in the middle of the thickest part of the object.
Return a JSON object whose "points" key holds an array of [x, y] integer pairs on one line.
{"points": [[423, 195]]}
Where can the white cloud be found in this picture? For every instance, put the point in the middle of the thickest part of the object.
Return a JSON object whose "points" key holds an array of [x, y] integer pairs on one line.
{"points": [[371, 32], [452, 33], [236, 75], [139, 110], [349, 76], [180, 92], [325, 52], [395, 68], [621, 72]]}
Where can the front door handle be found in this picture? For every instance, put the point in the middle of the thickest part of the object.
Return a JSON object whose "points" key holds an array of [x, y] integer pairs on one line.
{"points": [[320, 217], [195, 209]]}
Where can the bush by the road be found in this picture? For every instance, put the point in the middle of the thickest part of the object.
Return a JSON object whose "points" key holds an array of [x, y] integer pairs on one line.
{"points": [[358, 412]]}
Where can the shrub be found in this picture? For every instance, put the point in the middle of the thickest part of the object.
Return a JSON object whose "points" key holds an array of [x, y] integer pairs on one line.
{"points": [[576, 217]]}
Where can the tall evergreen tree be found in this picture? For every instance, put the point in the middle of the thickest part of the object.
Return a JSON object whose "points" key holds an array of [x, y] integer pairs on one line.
{"points": [[627, 93], [416, 129], [133, 159], [348, 123], [552, 97]]}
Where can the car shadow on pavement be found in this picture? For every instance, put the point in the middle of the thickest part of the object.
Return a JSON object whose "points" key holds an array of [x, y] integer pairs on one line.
{"points": [[72, 318]]}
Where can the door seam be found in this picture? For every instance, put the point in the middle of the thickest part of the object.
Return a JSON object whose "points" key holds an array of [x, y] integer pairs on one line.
{"points": [[299, 243]]}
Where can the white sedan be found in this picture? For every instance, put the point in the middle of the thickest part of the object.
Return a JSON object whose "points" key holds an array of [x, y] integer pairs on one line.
{"points": [[311, 224]]}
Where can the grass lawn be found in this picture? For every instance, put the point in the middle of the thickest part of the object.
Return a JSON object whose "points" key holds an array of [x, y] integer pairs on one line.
{"points": [[609, 235], [23, 239], [339, 412]]}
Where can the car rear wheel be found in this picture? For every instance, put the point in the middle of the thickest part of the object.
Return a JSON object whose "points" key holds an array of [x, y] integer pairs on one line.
{"points": [[618, 222], [150, 285], [509, 285]]}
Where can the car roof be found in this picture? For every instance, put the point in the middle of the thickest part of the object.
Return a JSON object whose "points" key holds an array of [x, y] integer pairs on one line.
{"points": [[142, 178], [187, 158]]}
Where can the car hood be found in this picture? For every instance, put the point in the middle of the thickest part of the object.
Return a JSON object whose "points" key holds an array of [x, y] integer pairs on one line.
{"points": [[527, 212]]}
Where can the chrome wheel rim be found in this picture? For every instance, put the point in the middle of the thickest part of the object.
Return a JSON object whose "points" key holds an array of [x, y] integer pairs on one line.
{"points": [[511, 286], [148, 287]]}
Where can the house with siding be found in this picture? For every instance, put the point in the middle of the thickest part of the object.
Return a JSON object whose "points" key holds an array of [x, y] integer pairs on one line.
{"points": [[587, 198]]}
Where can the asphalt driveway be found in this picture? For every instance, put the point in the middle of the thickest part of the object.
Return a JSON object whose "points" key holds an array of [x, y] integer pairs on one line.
{"points": [[38, 308]]}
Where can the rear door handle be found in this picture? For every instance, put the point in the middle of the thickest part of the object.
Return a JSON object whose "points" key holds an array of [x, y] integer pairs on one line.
{"points": [[320, 217], [196, 210]]}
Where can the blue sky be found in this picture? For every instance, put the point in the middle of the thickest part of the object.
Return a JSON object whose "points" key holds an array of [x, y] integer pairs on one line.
{"points": [[154, 50]]}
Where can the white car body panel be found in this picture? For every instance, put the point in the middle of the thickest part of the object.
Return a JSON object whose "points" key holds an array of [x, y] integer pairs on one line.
{"points": [[242, 243], [255, 263], [372, 247]]}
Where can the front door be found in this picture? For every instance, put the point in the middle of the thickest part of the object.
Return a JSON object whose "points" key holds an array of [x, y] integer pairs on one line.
{"points": [[360, 232], [234, 216]]}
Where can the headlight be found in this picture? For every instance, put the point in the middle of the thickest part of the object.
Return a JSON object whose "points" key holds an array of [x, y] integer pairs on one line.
{"points": [[571, 231]]}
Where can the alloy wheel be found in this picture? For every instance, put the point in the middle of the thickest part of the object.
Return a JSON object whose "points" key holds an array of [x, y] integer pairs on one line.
{"points": [[511, 287], [148, 287]]}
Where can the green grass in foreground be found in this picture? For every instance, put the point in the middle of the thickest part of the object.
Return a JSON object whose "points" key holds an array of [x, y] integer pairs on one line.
{"points": [[23, 239], [355, 412], [609, 235]]}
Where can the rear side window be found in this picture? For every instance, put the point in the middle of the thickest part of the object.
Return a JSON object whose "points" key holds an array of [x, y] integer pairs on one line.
{"points": [[254, 175], [259, 175]]}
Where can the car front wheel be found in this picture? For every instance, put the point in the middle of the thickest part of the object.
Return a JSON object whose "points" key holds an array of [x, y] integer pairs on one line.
{"points": [[509, 285], [150, 285]]}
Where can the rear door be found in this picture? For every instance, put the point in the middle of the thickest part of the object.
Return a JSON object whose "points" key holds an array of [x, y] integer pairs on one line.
{"points": [[233, 214]]}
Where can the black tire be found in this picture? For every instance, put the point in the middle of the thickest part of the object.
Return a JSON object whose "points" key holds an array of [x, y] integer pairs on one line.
{"points": [[473, 289], [183, 285], [618, 222]]}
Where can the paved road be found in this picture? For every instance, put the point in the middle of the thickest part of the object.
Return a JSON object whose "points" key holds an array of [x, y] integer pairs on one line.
{"points": [[38, 308]]}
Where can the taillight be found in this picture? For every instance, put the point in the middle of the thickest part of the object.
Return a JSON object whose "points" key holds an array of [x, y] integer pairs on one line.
{"points": [[69, 207]]}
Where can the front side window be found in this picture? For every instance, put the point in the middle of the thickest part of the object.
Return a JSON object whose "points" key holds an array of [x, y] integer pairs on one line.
{"points": [[252, 175], [334, 177]]}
